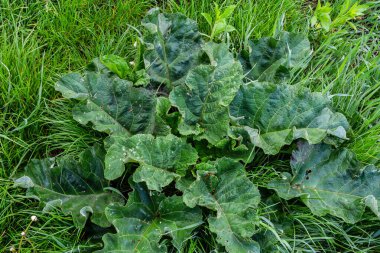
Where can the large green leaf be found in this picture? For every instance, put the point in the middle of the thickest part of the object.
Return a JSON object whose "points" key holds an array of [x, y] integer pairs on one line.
{"points": [[275, 115], [204, 98], [146, 218], [116, 156], [227, 190], [162, 159], [112, 104], [172, 46], [271, 59], [331, 181], [79, 188]]}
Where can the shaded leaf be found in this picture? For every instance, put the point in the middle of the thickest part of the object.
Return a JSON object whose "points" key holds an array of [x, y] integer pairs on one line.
{"points": [[331, 181], [164, 120], [204, 98], [146, 218], [77, 187], [275, 115], [172, 43], [227, 190]]}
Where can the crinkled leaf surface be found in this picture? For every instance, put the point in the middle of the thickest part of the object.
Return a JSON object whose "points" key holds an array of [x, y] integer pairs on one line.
{"points": [[331, 181], [162, 159], [172, 44], [112, 104], [117, 156], [275, 115], [77, 187], [204, 98], [146, 218], [227, 190], [270, 59]]}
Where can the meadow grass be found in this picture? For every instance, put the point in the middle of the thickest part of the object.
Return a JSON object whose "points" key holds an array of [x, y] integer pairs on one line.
{"points": [[41, 40]]}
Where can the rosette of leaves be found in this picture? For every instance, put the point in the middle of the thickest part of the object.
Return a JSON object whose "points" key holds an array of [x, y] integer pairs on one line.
{"points": [[184, 120]]}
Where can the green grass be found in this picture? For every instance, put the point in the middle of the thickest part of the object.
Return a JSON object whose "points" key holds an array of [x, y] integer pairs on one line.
{"points": [[41, 40], [252, 19], [346, 63]]}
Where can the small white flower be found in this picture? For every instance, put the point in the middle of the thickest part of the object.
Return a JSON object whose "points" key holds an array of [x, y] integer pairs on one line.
{"points": [[132, 63], [23, 234], [34, 218], [12, 249]]}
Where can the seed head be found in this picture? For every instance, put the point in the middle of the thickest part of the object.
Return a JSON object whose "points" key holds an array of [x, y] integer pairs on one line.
{"points": [[34, 218]]}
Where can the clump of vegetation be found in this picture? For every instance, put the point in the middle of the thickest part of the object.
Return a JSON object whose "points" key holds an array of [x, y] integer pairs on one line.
{"points": [[184, 126]]}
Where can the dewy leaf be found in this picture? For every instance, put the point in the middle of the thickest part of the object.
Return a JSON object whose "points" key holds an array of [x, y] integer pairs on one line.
{"points": [[275, 115], [146, 218], [229, 192], [204, 98], [113, 105], [331, 181], [172, 43], [162, 159], [270, 59], [77, 187]]}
